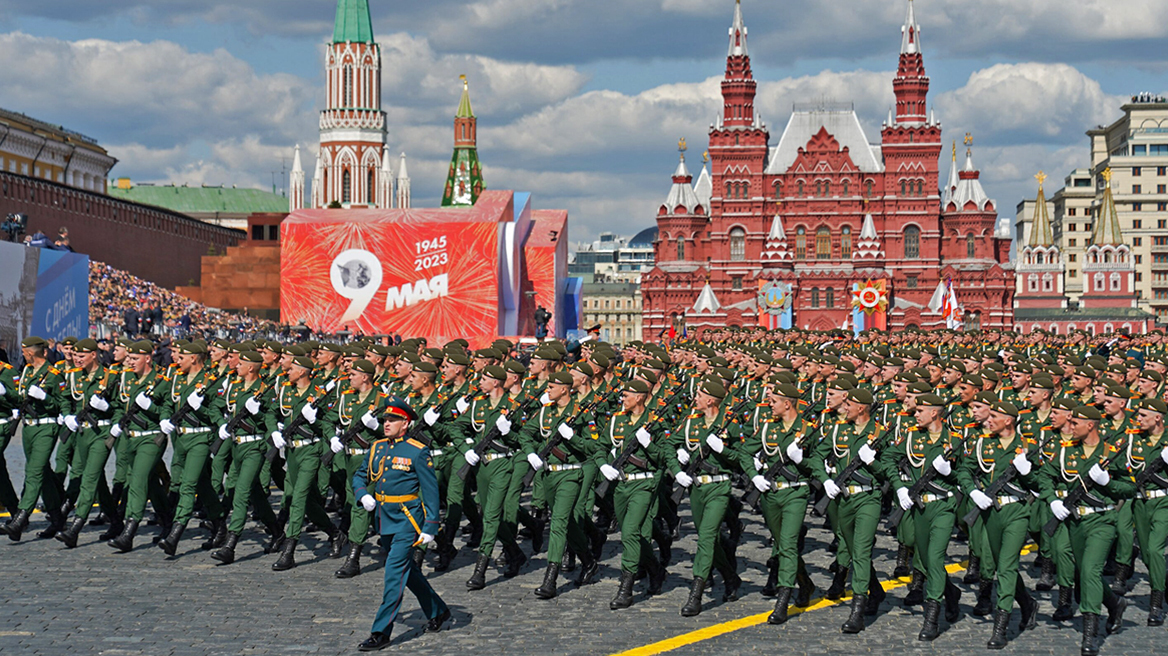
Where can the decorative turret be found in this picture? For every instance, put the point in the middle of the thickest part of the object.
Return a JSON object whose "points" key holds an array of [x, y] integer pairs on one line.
{"points": [[385, 183], [403, 185], [318, 184], [296, 184], [868, 245], [707, 302], [1109, 271], [738, 33], [777, 249], [1040, 268], [704, 187], [464, 182], [911, 84], [682, 198], [951, 186]]}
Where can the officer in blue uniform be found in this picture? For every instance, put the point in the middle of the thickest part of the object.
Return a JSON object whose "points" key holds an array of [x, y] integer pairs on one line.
{"points": [[399, 487]]}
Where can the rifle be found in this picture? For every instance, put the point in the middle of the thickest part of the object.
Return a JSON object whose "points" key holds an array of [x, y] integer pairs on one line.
{"points": [[1072, 498], [489, 436], [695, 463], [290, 431], [915, 491], [778, 468], [630, 447], [185, 410], [1150, 469], [237, 419], [1001, 482], [557, 439], [86, 412], [23, 410], [844, 476]]}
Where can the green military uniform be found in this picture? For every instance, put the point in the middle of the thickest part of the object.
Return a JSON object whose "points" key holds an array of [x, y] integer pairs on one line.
{"points": [[1150, 507], [9, 403], [192, 422]]}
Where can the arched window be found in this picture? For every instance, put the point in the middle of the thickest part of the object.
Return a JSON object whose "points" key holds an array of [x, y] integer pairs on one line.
{"points": [[970, 246], [1047, 282], [912, 243], [680, 248], [869, 192], [1115, 282], [1098, 282], [372, 190], [1032, 282], [827, 188], [823, 243], [920, 187], [728, 190], [815, 298], [346, 187], [819, 187], [778, 189], [801, 242], [830, 298], [845, 188], [800, 189], [348, 100], [737, 244], [746, 190], [903, 188], [846, 243]]}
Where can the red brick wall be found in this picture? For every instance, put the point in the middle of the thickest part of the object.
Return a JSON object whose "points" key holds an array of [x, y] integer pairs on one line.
{"points": [[247, 276]]}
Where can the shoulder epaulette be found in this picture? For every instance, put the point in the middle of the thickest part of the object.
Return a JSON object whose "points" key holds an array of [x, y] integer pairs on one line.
{"points": [[349, 391], [1025, 411], [1132, 431], [416, 444], [54, 370]]}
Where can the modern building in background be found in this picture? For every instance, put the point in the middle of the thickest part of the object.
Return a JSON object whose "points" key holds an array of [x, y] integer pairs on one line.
{"points": [[616, 308], [40, 150], [615, 259]]}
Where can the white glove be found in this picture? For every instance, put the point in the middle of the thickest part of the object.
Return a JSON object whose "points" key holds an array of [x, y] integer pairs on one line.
{"points": [[425, 538], [368, 503], [1022, 464], [370, 421], [309, 413], [1098, 475], [544, 399], [795, 452], [223, 434], [503, 424], [330, 386], [609, 472], [60, 420], [683, 479], [903, 498], [830, 489], [431, 416], [1059, 509], [867, 454], [37, 393], [252, 405], [1164, 455], [643, 436], [3, 389], [462, 405], [566, 432], [715, 443], [535, 461], [942, 466], [981, 499], [71, 423], [98, 403], [335, 445], [116, 431], [757, 463], [195, 400], [683, 456], [471, 458], [761, 483], [15, 414], [142, 401], [278, 440], [166, 426]]}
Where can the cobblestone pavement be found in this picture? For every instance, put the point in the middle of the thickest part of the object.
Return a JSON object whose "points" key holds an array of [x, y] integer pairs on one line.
{"points": [[91, 600]]}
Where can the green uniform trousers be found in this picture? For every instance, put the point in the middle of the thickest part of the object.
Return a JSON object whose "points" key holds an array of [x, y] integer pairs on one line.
{"points": [[446, 467], [301, 485], [38, 442], [1006, 529], [855, 518], [65, 460], [1091, 539], [220, 466], [1124, 534], [121, 465], [587, 500], [494, 479], [93, 484], [195, 479], [8, 497], [636, 506], [979, 541], [246, 460], [562, 490], [783, 511], [359, 518], [708, 504], [933, 523], [1151, 521], [143, 455]]}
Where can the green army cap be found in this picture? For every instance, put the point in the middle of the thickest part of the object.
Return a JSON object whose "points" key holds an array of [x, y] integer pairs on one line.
{"points": [[179, 342], [310, 344], [764, 359], [69, 341], [846, 366], [931, 400], [1005, 408], [714, 389], [561, 378], [201, 343], [1116, 369], [725, 373], [705, 352], [1023, 368], [85, 346], [987, 398], [920, 387], [1054, 370], [495, 371], [1086, 371], [549, 354], [719, 361], [422, 367], [410, 344], [788, 377], [124, 343], [996, 367], [502, 345], [1118, 391], [784, 363], [649, 375], [1042, 382], [654, 364], [787, 391], [297, 350], [379, 349], [1154, 405], [459, 358], [144, 347], [486, 354], [1133, 363], [460, 341], [584, 368], [1097, 363], [860, 395], [1044, 358], [636, 386], [333, 348], [33, 341], [1073, 360], [1065, 403], [222, 344], [601, 360], [251, 356], [395, 351], [1152, 375], [303, 361], [194, 348], [354, 351], [1088, 412], [973, 379], [905, 377], [515, 367], [892, 362], [434, 353], [991, 375], [411, 357]]}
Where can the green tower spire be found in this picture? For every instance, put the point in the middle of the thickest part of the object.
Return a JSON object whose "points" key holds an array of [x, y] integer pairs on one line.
{"points": [[464, 182], [353, 22]]}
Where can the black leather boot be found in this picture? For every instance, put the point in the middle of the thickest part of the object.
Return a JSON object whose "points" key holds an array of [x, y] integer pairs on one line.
{"points": [[1119, 583], [731, 582], [375, 642], [478, 580], [952, 601], [916, 590], [569, 561], [1156, 608], [125, 541], [985, 594], [1046, 581], [693, 605], [226, 553], [337, 544], [782, 600], [973, 572], [806, 588], [1029, 607], [1063, 611], [287, 559], [169, 544], [352, 565], [598, 539], [624, 591], [904, 557], [1115, 607], [419, 558], [15, 526], [515, 561], [56, 523], [1090, 646], [1001, 624], [538, 524], [446, 554], [876, 594], [838, 583], [275, 539], [549, 589], [589, 566], [217, 526], [116, 525], [855, 621], [771, 589], [664, 539], [657, 574], [71, 533], [931, 628]]}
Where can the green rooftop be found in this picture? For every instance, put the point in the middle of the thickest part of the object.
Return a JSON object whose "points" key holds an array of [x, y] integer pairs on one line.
{"points": [[206, 200], [353, 22]]}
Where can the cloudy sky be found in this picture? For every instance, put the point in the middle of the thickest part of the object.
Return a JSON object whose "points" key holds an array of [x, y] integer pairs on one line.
{"points": [[579, 101]]}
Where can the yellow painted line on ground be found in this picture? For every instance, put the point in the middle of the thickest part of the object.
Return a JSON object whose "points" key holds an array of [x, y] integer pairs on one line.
{"points": [[716, 630]]}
